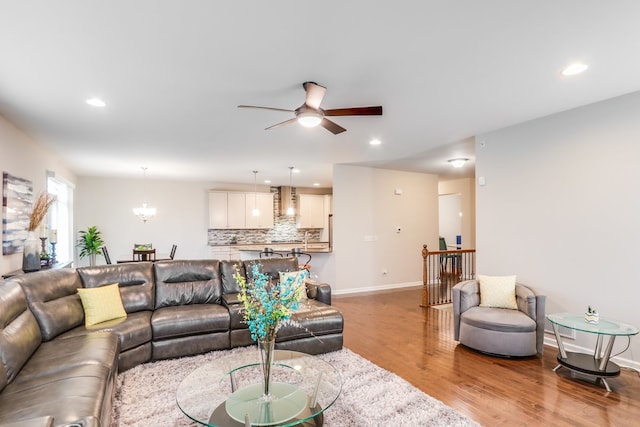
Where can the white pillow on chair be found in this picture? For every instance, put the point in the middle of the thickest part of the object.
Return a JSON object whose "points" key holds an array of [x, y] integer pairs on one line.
{"points": [[498, 291]]}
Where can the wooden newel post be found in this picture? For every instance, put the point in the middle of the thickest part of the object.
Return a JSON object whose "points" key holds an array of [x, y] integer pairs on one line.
{"points": [[425, 277]]}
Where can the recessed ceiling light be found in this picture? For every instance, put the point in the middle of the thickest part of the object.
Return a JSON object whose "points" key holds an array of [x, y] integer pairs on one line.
{"points": [[375, 141], [295, 170], [96, 102], [316, 184], [267, 181], [458, 163], [574, 69]]}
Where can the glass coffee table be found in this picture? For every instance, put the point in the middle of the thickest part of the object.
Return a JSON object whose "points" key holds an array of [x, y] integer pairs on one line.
{"points": [[598, 364], [226, 392]]}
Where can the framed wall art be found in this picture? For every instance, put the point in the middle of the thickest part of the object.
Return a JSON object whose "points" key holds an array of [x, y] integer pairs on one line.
{"points": [[17, 202]]}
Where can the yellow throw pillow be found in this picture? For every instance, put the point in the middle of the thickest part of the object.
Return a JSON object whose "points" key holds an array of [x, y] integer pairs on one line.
{"points": [[498, 291], [299, 279], [101, 304]]}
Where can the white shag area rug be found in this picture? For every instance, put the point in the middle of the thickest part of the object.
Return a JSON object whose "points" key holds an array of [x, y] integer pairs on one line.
{"points": [[371, 396]]}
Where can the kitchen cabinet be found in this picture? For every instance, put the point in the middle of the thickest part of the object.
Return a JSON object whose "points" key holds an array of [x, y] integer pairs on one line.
{"points": [[311, 213], [264, 203], [226, 209]]}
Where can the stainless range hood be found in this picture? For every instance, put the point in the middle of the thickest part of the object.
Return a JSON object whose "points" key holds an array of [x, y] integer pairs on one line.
{"points": [[285, 199]]}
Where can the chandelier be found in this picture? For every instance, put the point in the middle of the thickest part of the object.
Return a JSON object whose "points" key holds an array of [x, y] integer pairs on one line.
{"points": [[144, 212]]}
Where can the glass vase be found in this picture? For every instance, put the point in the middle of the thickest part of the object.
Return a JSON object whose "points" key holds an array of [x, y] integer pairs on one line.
{"points": [[266, 349], [31, 253]]}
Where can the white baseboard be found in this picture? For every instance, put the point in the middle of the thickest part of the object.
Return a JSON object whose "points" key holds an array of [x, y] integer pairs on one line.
{"points": [[550, 340], [376, 288]]}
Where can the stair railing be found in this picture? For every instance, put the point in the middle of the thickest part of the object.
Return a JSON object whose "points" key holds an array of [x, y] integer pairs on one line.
{"points": [[441, 270]]}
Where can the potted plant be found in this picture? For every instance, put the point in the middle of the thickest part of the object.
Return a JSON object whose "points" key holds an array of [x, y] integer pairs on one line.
{"points": [[90, 243]]}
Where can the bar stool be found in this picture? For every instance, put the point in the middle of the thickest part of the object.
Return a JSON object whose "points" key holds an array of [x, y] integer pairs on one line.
{"points": [[297, 252], [268, 252]]}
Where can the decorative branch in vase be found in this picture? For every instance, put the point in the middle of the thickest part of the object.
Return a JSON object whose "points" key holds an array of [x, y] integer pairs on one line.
{"points": [[268, 306], [31, 253]]}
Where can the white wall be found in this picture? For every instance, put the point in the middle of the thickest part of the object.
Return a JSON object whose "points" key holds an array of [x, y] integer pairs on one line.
{"points": [[182, 215], [22, 157], [366, 214], [466, 188], [560, 209]]}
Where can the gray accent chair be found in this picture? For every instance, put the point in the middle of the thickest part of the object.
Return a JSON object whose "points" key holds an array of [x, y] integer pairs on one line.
{"points": [[499, 331]]}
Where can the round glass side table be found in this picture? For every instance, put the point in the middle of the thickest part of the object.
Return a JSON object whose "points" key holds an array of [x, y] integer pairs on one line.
{"points": [[597, 364]]}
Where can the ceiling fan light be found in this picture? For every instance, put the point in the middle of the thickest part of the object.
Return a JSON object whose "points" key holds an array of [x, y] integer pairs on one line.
{"points": [[309, 119], [575, 68], [458, 163], [96, 102]]}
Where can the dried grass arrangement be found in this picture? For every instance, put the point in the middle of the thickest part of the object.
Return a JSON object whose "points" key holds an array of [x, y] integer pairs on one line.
{"points": [[40, 208]]}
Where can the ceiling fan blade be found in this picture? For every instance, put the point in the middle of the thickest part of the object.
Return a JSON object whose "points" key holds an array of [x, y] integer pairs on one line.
{"points": [[332, 127], [315, 93], [355, 111], [265, 108], [281, 123]]}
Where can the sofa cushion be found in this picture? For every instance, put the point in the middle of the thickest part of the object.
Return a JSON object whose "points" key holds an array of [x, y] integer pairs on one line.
{"points": [[19, 332], [227, 270], [498, 319], [65, 357], [177, 321], [101, 304], [53, 300], [132, 331], [187, 282], [299, 280], [498, 291], [137, 286], [67, 378], [312, 319], [32, 422]]}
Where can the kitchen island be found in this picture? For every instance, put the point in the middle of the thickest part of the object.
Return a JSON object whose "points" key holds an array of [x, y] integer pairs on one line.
{"points": [[321, 254]]}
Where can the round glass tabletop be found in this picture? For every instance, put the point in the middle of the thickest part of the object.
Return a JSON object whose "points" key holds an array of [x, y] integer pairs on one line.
{"points": [[223, 392], [604, 326]]}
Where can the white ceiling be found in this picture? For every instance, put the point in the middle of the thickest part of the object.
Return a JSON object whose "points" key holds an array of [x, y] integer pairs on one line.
{"points": [[173, 72]]}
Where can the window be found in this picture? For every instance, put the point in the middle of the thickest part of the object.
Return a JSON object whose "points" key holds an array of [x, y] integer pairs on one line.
{"points": [[61, 216]]}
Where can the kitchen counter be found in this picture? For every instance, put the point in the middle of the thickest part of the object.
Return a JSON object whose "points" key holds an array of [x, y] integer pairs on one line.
{"points": [[280, 247]]}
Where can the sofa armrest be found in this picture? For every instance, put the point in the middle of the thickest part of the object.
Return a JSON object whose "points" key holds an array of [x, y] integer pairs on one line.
{"points": [[466, 294], [319, 291], [526, 300], [533, 306], [541, 303]]}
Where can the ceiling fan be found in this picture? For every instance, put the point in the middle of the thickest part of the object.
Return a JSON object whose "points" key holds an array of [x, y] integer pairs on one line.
{"points": [[310, 114]]}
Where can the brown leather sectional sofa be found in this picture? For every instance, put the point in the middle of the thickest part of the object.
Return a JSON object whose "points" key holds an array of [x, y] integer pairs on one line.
{"points": [[54, 371]]}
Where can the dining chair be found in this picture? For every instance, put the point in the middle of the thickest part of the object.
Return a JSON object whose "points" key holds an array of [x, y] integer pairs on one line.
{"points": [[105, 252], [456, 260], [171, 254]]}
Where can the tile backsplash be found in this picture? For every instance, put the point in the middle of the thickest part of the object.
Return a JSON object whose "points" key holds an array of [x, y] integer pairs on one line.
{"points": [[284, 229]]}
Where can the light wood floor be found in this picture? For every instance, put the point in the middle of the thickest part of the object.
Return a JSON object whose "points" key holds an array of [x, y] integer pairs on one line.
{"points": [[390, 329]]}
